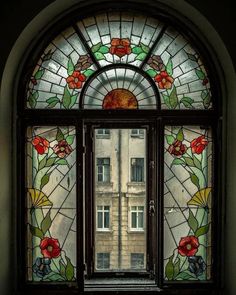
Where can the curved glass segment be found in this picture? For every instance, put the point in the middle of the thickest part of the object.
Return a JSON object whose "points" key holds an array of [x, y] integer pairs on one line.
{"points": [[119, 88], [115, 39]]}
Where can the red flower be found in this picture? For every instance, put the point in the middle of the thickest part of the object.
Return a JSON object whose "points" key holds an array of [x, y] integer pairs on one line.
{"points": [[50, 248], [164, 80], [177, 148], [75, 80], [120, 47], [188, 246], [41, 144], [62, 149], [198, 144]]}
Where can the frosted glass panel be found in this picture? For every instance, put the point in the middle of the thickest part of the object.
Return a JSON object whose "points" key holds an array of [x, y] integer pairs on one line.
{"points": [[187, 203], [51, 203]]}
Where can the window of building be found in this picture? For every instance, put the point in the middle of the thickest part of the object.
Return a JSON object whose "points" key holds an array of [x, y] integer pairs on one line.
{"points": [[137, 169], [137, 217], [137, 133], [137, 260], [127, 73], [103, 169], [103, 261], [103, 217]]}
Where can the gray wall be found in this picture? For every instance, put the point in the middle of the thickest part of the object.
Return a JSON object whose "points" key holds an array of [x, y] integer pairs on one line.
{"points": [[19, 25]]}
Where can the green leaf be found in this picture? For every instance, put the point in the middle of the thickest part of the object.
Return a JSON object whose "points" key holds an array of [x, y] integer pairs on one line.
{"points": [[185, 276], [192, 222], [50, 162], [39, 74], [42, 163], [144, 48], [189, 161], [33, 99], [173, 98], [99, 55], [180, 135], [35, 231], [187, 102], [169, 270], [192, 57], [52, 101], [206, 98], [151, 73], [200, 74], [169, 67], [60, 135], [177, 161], [141, 56], [73, 101], [62, 268], [53, 277], [202, 230], [176, 268], [66, 99], [70, 67], [194, 180], [45, 180], [62, 162], [69, 270], [104, 49], [137, 50], [46, 223], [96, 47], [197, 163], [70, 139], [166, 100], [88, 72], [170, 139]]}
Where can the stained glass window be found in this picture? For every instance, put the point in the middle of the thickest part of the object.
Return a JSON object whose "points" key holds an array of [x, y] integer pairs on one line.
{"points": [[112, 55], [51, 203], [118, 175]]}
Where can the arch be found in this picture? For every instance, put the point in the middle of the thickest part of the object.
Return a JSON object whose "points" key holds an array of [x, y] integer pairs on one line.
{"points": [[10, 77]]}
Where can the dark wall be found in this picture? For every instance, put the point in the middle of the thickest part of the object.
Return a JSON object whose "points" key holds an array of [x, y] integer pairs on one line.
{"points": [[16, 14]]}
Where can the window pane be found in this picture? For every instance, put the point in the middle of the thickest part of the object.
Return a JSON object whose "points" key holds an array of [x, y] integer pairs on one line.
{"points": [[123, 232], [51, 202], [137, 260], [103, 260], [137, 170], [100, 222], [187, 201]]}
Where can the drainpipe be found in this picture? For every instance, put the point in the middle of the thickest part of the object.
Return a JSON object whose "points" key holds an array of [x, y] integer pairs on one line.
{"points": [[119, 200]]}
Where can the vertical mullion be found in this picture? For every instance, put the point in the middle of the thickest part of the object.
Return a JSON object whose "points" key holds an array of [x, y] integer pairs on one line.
{"points": [[79, 205]]}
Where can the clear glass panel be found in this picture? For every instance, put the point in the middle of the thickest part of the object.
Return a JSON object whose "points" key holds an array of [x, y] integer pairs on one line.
{"points": [[119, 89], [187, 203], [51, 203], [120, 37], [179, 73], [125, 228]]}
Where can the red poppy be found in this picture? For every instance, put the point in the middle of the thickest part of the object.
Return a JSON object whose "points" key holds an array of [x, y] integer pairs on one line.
{"points": [[164, 80], [40, 144], [50, 248], [177, 148], [188, 246], [62, 149], [120, 47], [75, 80], [198, 144]]}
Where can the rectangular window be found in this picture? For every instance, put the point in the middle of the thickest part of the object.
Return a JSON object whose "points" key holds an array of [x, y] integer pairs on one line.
{"points": [[103, 169], [137, 133], [103, 131], [103, 217], [103, 260], [137, 260], [137, 169], [137, 217]]}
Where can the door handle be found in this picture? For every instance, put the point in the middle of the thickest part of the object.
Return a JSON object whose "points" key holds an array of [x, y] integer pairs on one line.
{"points": [[151, 207]]}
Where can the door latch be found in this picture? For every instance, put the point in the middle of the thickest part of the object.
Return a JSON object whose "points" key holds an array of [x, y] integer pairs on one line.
{"points": [[151, 207]]}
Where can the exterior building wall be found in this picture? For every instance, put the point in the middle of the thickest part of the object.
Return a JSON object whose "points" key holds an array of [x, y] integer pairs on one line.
{"points": [[120, 195]]}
